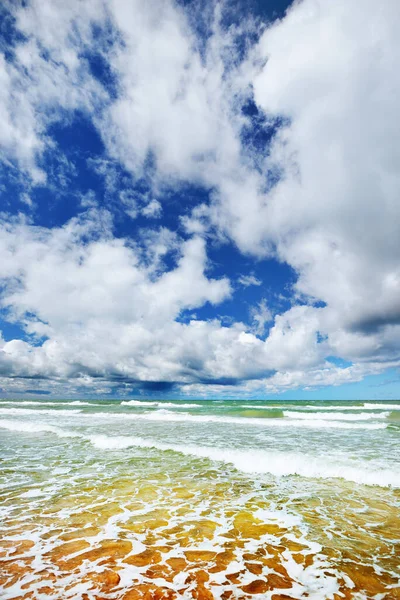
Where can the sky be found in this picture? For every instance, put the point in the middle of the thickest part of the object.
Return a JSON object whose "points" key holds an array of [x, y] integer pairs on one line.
{"points": [[200, 199]]}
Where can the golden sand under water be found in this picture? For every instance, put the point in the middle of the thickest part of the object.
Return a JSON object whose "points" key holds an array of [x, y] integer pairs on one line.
{"points": [[199, 537]]}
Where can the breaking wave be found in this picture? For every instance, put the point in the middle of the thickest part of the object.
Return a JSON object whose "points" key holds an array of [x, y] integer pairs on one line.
{"points": [[335, 416], [263, 461], [36, 428], [144, 403], [166, 415]]}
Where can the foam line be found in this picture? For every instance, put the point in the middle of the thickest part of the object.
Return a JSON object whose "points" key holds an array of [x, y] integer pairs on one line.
{"points": [[335, 416], [263, 461]]}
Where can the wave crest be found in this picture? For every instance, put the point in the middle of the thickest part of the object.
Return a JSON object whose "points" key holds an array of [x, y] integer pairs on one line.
{"points": [[279, 464]]}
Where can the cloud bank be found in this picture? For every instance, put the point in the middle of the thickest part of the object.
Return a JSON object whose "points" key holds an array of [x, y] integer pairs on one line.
{"points": [[276, 141]]}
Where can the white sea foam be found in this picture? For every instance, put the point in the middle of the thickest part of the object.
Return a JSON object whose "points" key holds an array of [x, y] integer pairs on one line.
{"points": [[39, 411], [281, 517], [246, 460], [307, 407], [371, 406], [168, 416], [164, 415], [262, 406], [29, 403], [13, 425], [78, 403], [263, 461], [335, 416], [32, 493], [47, 403], [144, 403], [365, 406]]}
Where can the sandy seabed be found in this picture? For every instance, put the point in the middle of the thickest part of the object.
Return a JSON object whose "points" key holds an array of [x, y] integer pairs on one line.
{"points": [[200, 537]]}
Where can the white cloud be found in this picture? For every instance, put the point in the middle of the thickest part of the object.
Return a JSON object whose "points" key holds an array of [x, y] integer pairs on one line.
{"points": [[260, 315], [26, 199], [153, 209], [105, 313], [175, 102], [248, 280], [46, 76], [331, 69], [110, 319], [89, 200]]}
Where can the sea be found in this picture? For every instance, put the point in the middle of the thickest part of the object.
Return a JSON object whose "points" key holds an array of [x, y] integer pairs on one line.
{"points": [[179, 499]]}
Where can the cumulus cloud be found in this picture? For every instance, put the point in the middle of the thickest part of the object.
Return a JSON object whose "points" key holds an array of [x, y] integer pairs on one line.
{"points": [[95, 313], [331, 70], [93, 309], [321, 194], [103, 312]]}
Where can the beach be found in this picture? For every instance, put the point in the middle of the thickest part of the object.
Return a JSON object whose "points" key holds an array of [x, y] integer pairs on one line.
{"points": [[130, 499]]}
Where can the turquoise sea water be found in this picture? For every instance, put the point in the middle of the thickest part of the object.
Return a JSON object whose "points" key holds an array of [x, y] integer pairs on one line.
{"points": [[212, 499]]}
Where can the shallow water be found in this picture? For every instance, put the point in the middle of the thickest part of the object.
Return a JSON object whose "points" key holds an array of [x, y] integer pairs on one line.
{"points": [[199, 499]]}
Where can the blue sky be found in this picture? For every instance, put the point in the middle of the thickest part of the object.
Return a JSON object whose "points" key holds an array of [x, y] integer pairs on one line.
{"points": [[199, 199]]}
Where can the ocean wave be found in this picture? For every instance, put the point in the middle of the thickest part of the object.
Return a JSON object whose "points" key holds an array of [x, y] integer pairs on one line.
{"points": [[39, 411], [261, 461], [371, 406], [144, 403], [40, 403], [364, 406], [249, 461], [29, 403], [307, 407], [264, 406], [335, 416], [78, 403], [166, 415], [22, 427]]}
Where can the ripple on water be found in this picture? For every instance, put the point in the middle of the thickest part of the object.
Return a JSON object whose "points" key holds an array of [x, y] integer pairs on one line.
{"points": [[143, 534]]}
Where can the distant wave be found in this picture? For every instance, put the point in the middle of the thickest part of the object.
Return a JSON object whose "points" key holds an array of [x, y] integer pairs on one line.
{"points": [[40, 403], [371, 406], [78, 403], [335, 416], [144, 403], [260, 461], [303, 420], [308, 407], [29, 403], [264, 406], [39, 411], [365, 406], [169, 416]]}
